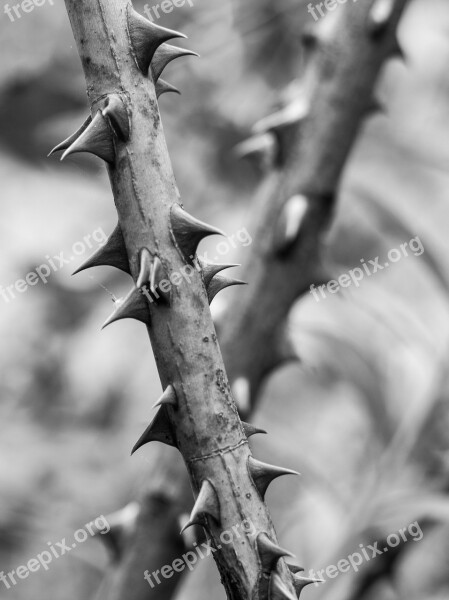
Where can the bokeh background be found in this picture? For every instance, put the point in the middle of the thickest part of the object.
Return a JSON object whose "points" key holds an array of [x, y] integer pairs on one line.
{"points": [[364, 417]]}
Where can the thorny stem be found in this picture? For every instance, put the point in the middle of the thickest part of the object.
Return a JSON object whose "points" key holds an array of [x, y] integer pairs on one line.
{"points": [[123, 56]]}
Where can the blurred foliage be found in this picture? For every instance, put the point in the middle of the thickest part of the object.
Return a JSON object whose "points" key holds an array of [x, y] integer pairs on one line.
{"points": [[365, 417]]}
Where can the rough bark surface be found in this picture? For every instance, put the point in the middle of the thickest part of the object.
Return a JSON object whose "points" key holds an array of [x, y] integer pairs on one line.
{"points": [[123, 56]]}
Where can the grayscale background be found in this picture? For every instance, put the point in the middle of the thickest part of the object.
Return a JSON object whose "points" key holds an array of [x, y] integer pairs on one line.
{"points": [[364, 417]]}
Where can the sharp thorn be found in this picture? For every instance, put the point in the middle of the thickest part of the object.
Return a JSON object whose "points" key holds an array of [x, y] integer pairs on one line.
{"points": [[295, 569], [134, 306], [159, 430], [188, 535], [206, 504], [263, 474], [145, 268], [188, 232], [69, 141], [157, 277], [220, 282], [162, 87], [299, 582], [251, 430], [151, 276], [269, 552], [186, 526], [146, 37], [96, 139], [112, 254], [164, 55], [209, 270], [168, 398]]}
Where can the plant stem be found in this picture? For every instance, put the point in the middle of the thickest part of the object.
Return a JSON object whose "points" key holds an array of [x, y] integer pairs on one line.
{"points": [[123, 56]]}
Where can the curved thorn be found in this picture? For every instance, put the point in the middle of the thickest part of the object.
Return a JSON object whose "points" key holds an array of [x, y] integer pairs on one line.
{"points": [[269, 552], [263, 474], [163, 87], [96, 139], [164, 55], [69, 141], [206, 504], [133, 306], [157, 277], [187, 231], [159, 430], [220, 282], [251, 430], [295, 569], [146, 37], [299, 582], [209, 269], [188, 535], [145, 268], [112, 254]]}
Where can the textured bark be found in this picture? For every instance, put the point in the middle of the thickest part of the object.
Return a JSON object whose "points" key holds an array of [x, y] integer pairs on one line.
{"points": [[309, 143], [122, 58]]}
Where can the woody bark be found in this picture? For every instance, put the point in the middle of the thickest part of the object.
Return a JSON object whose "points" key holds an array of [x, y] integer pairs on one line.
{"points": [[123, 56]]}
